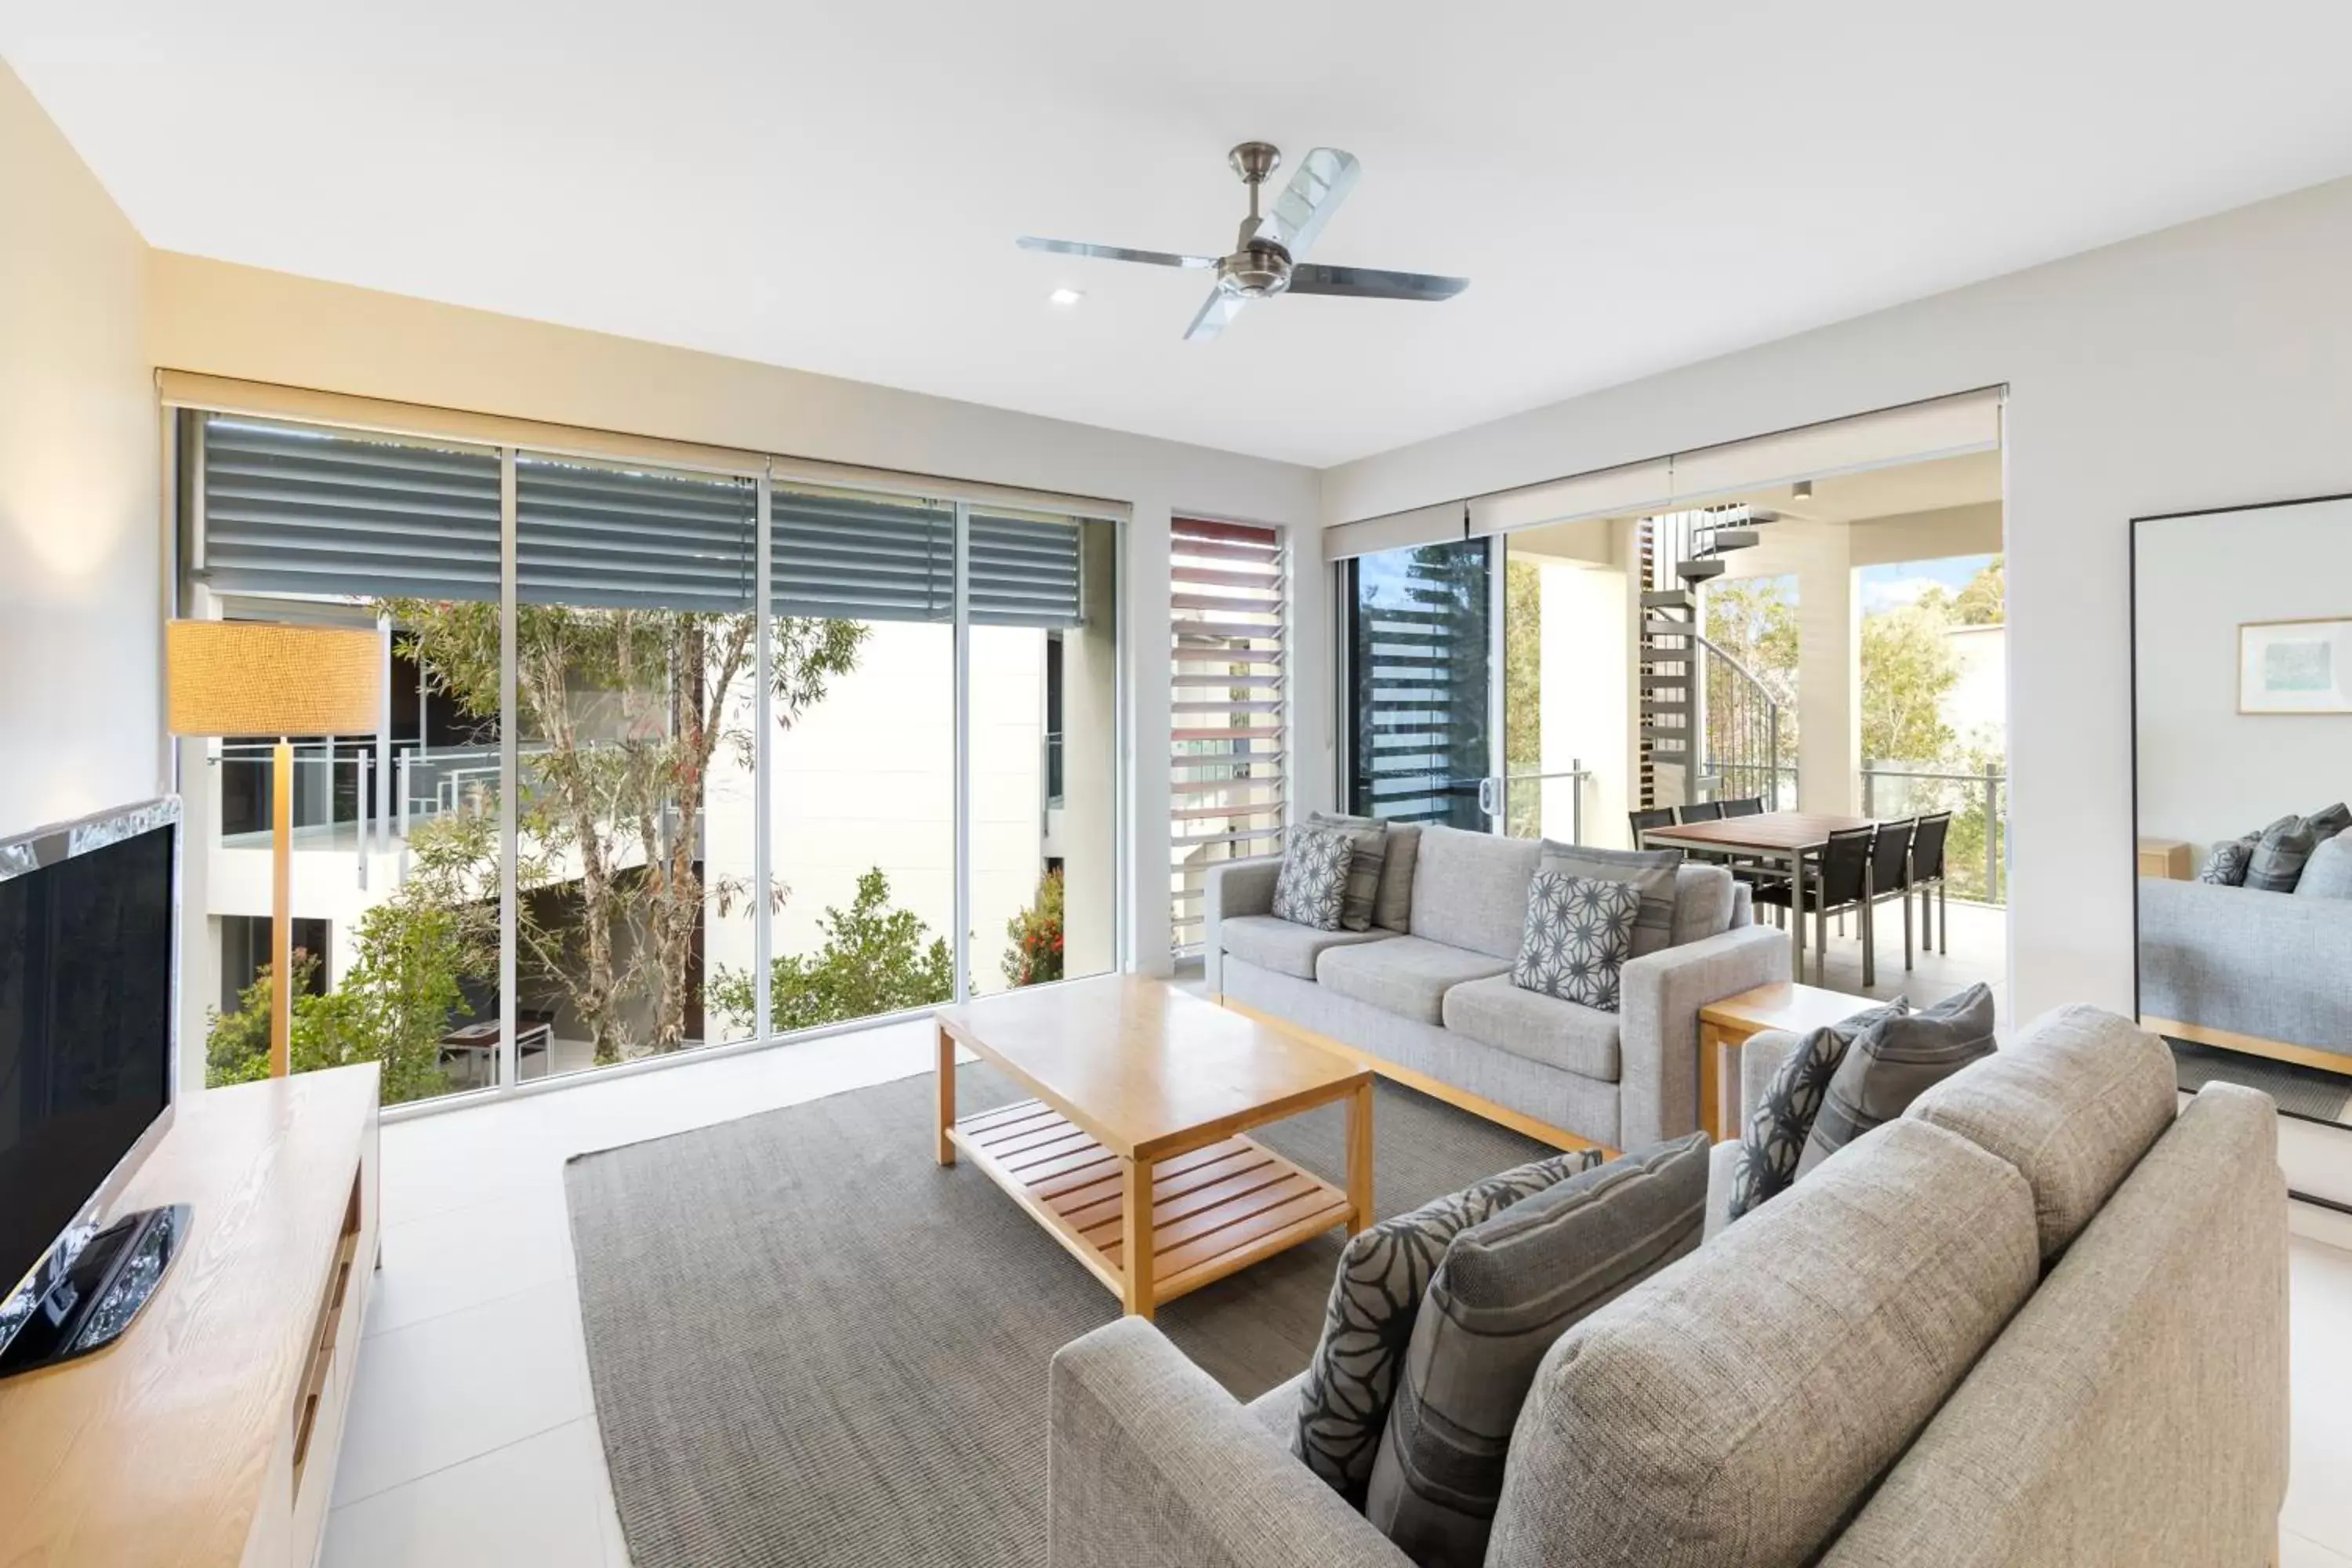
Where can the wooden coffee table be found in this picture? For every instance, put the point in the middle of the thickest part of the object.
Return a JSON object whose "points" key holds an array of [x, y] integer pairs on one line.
{"points": [[1724, 1027], [1130, 1154]]}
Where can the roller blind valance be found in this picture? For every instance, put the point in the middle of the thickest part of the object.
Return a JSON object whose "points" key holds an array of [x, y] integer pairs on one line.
{"points": [[295, 511]]}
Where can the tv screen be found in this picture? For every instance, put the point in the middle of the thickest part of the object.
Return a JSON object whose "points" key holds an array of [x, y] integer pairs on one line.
{"points": [[85, 1031]]}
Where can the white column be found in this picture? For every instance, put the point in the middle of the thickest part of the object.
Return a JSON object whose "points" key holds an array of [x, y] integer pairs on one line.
{"points": [[1144, 747]]}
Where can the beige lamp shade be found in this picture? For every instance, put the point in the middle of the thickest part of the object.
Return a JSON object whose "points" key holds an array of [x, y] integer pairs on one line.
{"points": [[258, 678]]}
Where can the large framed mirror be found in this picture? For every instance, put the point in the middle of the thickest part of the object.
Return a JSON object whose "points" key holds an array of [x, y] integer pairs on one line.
{"points": [[2242, 681]]}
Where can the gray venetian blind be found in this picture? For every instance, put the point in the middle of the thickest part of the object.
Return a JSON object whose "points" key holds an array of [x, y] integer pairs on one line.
{"points": [[1025, 572], [633, 539], [871, 558], [290, 509]]}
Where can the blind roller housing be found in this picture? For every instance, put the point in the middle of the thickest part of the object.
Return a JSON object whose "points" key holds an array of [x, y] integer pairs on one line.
{"points": [[293, 511], [628, 538]]}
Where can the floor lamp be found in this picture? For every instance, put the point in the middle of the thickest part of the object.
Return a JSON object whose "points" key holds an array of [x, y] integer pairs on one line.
{"points": [[257, 677]]}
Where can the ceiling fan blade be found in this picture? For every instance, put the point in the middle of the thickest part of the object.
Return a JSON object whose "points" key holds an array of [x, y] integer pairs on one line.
{"points": [[1116, 253], [1322, 181], [1370, 283], [1221, 308]]}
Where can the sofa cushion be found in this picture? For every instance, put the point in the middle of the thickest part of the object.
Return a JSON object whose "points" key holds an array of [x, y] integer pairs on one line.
{"points": [[1470, 889], [1393, 905], [1343, 1397], [1507, 1289], [2279, 854], [1650, 871], [1312, 889], [1579, 932], [1736, 1407], [1783, 1114], [1536, 1028], [1703, 902], [1407, 975], [1369, 834], [2329, 873], [1896, 1061], [2073, 1103], [2227, 864], [1283, 946]]}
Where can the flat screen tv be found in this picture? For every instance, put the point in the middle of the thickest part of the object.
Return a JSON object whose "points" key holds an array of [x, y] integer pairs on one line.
{"points": [[86, 1024]]}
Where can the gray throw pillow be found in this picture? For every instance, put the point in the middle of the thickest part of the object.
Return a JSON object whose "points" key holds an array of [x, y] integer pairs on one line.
{"points": [[2277, 862], [1774, 1141], [2329, 873], [1392, 908], [1344, 1401], [2326, 825], [1507, 1289], [2226, 866], [1371, 837], [1651, 870], [1311, 889], [1578, 933], [1895, 1061]]}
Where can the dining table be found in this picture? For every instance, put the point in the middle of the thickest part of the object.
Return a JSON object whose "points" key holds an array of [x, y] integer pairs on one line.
{"points": [[1780, 840]]}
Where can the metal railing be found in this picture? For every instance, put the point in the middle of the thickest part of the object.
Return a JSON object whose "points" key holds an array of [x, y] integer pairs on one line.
{"points": [[1740, 724], [1521, 800], [335, 806], [1976, 870]]}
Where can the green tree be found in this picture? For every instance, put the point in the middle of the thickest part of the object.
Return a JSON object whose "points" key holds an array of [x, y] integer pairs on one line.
{"points": [[1985, 601], [875, 960], [624, 711], [1523, 689], [1035, 955], [1754, 620], [1907, 667]]}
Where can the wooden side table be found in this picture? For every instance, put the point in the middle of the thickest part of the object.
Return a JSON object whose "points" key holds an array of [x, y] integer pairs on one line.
{"points": [[1724, 1027], [2165, 857]]}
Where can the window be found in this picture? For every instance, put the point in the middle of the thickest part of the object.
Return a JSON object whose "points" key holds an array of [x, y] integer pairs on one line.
{"points": [[878, 783], [1422, 682], [1225, 706]]}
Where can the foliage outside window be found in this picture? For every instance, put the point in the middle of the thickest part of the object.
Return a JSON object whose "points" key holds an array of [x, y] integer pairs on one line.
{"points": [[875, 960], [1035, 956]]}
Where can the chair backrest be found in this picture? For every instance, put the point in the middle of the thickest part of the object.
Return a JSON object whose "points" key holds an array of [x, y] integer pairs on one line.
{"points": [[1928, 846], [1664, 816], [1752, 807], [1702, 811], [1890, 856], [1842, 859]]}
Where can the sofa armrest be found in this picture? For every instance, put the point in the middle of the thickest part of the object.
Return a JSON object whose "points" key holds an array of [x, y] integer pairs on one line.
{"points": [[1722, 1165], [1152, 1465], [1232, 887], [1659, 998], [1760, 1056], [2249, 962]]}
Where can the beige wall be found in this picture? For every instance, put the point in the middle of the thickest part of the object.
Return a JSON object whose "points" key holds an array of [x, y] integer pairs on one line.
{"points": [[80, 546]]}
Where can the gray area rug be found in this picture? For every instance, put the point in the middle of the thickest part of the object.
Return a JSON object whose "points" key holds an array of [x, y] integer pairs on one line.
{"points": [[810, 1344], [2309, 1092]]}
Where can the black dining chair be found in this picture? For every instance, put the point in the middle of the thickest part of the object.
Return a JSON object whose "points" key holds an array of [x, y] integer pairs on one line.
{"points": [[1927, 871], [1701, 811], [1642, 821], [1890, 877], [1752, 807], [1839, 880]]}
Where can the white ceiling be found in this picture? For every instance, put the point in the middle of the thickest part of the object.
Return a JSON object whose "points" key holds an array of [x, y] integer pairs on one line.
{"points": [[838, 187]]}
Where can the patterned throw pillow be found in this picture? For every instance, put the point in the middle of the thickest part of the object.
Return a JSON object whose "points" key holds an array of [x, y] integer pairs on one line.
{"points": [[1311, 889], [2227, 864], [1578, 935], [1779, 1126], [1368, 1322], [1895, 1061], [1650, 871], [1508, 1288], [1371, 837]]}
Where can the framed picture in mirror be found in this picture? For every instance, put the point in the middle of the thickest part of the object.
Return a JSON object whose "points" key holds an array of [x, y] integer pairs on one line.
{"points": [[2296, 667]]}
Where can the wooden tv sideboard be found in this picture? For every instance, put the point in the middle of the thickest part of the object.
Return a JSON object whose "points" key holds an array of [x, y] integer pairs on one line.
{"points": [[207, 1433]]}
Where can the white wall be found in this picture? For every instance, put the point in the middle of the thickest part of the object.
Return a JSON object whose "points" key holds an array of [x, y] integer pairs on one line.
{"points": [[2206, 771], [81, 547], [2201, 366]]}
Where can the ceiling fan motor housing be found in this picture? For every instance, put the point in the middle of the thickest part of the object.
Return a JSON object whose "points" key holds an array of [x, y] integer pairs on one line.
{"points": [[1258, 270]]}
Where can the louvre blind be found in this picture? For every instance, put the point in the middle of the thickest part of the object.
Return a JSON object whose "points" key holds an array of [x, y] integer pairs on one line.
{"points": [[1226, 705], [872, 558], [1025, 571], [630, 539], [296, 509]]}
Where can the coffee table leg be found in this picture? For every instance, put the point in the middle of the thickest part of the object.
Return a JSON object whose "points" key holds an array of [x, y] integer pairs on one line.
{"points": [[946, 1097], [1359, 1159], [1135, 1235]]}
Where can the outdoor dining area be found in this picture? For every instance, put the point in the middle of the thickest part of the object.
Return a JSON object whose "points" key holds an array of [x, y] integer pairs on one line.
{"points": [[1810, 866]]}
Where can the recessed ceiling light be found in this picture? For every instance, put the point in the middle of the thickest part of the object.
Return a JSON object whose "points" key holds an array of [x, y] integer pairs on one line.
{"points": [[1802, 489], [1066, 296]]}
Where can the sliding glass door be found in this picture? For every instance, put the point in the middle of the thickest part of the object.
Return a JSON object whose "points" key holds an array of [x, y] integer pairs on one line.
{"points": [[1421, 686], [624, 804]]}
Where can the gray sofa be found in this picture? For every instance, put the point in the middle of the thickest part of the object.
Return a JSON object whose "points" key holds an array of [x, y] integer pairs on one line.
{"points": [[2036, 1320], [2270, 966], [1435, 998]]}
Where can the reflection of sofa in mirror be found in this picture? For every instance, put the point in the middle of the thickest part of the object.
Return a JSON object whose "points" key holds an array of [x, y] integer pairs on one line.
{"points": [[2241, 672]]}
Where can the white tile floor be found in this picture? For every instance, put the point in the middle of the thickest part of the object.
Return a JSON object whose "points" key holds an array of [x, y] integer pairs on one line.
{"points": [[472, 1439], [1978, 948]]}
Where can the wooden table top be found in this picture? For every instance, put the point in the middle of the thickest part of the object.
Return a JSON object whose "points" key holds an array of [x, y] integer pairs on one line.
{"points": [[1144, 1068], [1778, 831], [1783, 1004]]}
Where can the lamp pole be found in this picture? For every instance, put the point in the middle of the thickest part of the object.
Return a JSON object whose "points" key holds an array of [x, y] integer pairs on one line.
{"points": [[282, 904]]}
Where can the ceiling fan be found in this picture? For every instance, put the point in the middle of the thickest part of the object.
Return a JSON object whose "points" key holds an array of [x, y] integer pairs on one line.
{"points": [[1268, 256]]}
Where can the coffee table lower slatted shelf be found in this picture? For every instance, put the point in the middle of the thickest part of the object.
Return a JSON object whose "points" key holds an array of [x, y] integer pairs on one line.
{"points": [[1214, 1210]]}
